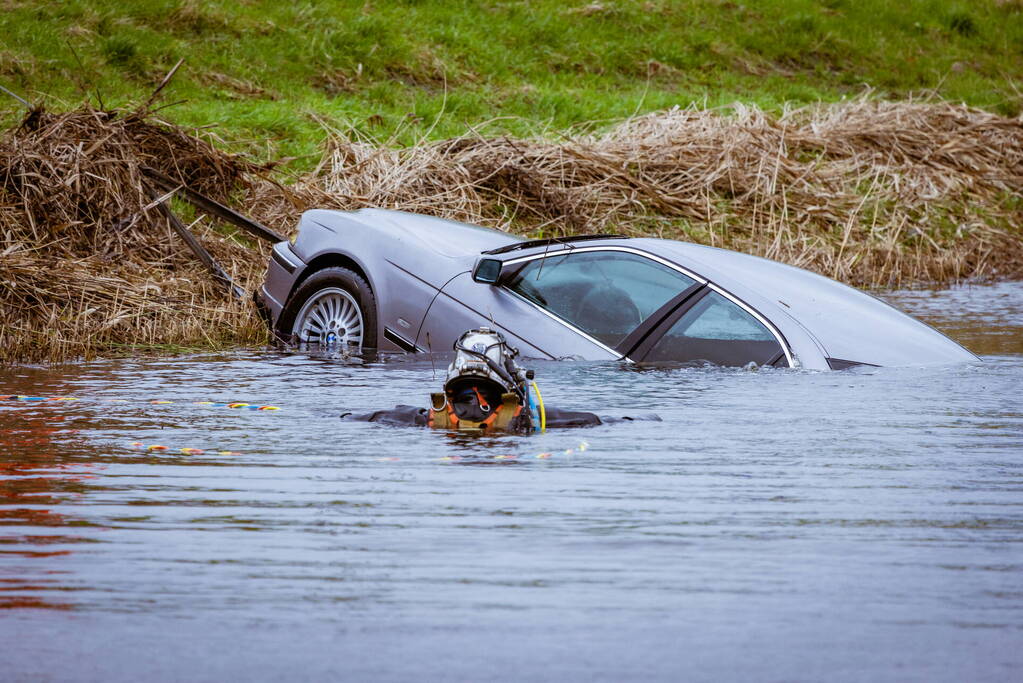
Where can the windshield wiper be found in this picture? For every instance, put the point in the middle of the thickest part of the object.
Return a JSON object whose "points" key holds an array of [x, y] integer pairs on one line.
{"points": [[548, 241]]}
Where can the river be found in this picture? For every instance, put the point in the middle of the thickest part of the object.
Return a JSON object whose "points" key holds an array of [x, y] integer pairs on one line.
{"points": [[778, 525]]}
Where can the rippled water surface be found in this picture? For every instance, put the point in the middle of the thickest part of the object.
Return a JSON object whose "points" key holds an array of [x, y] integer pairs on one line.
{"points": [[777, 525]]}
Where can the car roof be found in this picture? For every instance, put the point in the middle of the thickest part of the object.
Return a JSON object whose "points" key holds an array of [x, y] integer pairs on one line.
{"points": [[850, 324], [846, 323]]}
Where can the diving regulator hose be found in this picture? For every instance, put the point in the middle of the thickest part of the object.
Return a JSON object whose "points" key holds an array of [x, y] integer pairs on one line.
{"points": [[542, 427]]}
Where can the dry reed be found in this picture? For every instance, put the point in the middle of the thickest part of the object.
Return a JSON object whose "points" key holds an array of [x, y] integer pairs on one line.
{"points": [[872, 193], [86, 263]]}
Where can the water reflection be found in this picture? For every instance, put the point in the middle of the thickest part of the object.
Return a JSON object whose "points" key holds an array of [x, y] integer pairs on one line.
{"points": [[987, 319], [37, 478], [775, 512]]}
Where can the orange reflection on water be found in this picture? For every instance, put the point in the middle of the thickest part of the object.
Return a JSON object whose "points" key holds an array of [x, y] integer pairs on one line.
{"points": [[34, 480]]}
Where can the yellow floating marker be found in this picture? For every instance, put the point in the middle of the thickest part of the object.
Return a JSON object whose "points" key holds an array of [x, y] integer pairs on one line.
{"points": [[192, 451], [159, 403], [137, 444], [237, 405], [569, 451], [583, 446], [269, 408], [155, 447], [204, 403], [543, 456], [228, 453]]}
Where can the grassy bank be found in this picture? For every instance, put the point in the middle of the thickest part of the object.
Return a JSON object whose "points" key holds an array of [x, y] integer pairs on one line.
{"points": [[269, 74], [540, 118]]}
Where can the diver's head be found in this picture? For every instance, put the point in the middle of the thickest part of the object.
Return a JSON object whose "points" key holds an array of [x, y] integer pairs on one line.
{"points": [[484, 390], [483, 370]]}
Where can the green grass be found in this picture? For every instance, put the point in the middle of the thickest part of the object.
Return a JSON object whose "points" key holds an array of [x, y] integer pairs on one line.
{"points": [[270, 75]]}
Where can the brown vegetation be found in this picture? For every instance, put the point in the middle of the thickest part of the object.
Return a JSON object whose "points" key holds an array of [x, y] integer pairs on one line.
{"points": [[872, 193], [86, 262]]}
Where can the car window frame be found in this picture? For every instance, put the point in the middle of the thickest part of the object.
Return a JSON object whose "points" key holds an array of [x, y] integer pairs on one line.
{"points": [[642, 338], [639, 353], [684, 300], [520, 261]]}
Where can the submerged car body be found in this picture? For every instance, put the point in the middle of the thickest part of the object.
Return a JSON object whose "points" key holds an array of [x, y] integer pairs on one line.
{"points": [[596, 298]]}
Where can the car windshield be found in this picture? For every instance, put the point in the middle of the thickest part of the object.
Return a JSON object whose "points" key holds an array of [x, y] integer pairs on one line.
{"points": [[717, 331], [606, 294]]}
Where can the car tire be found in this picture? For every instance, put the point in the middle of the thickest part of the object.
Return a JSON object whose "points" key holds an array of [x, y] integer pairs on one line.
{"points": [[333, 301]]}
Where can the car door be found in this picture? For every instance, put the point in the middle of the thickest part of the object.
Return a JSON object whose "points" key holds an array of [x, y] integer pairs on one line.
{"points": [[464, 304], [582, 302], [606, 294]]}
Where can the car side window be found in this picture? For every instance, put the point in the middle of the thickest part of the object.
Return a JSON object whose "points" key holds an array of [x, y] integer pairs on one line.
{"points": [[718, 331], [607, 294]]}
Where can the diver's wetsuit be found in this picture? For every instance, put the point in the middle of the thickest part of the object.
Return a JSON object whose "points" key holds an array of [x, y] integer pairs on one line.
{"points": [[414, 416]]}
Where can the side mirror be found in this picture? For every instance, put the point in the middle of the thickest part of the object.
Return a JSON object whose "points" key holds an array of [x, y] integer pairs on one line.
{"points": [[487, 271]]}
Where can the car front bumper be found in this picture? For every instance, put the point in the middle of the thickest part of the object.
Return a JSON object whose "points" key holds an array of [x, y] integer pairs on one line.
{"points": [[281, 273]]}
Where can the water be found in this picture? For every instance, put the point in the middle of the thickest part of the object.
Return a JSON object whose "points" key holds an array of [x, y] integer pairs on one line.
{"points": [[778, 525]]}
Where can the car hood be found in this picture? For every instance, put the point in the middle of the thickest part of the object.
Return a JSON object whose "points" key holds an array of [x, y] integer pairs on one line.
{"points": [[447, 238]]}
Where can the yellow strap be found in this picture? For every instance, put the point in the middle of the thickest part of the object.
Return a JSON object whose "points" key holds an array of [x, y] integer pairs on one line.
{"points": [[440, 419], [501, 418]]}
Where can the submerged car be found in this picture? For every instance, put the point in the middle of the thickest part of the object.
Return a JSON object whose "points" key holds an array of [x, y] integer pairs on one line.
{"points": [[394, 281]]}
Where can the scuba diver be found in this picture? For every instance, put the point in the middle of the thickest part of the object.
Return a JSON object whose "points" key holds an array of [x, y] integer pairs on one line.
{"points": [[486, 391]]}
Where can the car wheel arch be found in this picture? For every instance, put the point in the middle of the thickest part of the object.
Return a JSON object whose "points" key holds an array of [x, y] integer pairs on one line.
{"points": [[331, 260], [331, 281]]}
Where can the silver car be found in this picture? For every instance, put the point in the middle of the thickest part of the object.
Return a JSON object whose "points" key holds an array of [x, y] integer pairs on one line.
{"points": [[394, 281]]}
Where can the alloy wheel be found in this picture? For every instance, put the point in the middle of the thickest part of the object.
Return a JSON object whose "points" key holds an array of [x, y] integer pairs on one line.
{"points": [[330, 317]]}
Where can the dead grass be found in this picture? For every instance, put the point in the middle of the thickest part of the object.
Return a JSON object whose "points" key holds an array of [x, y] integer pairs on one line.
{"points": [[70, 308], [236, 87], [871, 193], [86, 262]]}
